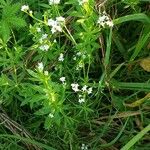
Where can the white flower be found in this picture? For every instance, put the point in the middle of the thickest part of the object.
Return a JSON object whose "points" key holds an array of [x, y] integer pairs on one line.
{"points": [[52, 22], [40, 66], [56, 28], [81, 2], [52, 2], [62, 79], [75, 87], [89, 90], [78, 53], [74, 58], [24, 8], [105, 20], [82, 100], [110, 23], [84, 88], [60, 19], [38, 29], [55, 24], [80, 96], [51, 115], [102, 19], [46, 73], [44, 36], [61, 57], [44, 47], [84, 147]]}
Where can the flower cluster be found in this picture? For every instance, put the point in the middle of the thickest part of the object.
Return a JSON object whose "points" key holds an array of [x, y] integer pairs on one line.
{"points": [[104, 20], [75, 87], [86, 89], [83, 91], [63, 80], [40, 68], [84, 147], [53, 2], [79, 54], [81, 99], [44, 47], [61, 57], [25, 8], [44, 42], [56, 24]]}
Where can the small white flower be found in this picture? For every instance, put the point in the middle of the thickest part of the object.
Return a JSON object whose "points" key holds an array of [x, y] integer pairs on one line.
{"points": [[40, 66], [89, 90], [55, 41], [80, 65], [75, 87], [60, 19], [82, 100], [38, 29], [51, 115], [81, 2], [44, 36], [105, 20], [74, 58], [55, 24], [52, 22], [78, 53], [24, 8], [84, 88], [80, 96], [61, 57], [56, 28], [102, 19], [44, 47], [46, 73], [52, 2], [84, 147], [62, 79], [110, 23]]}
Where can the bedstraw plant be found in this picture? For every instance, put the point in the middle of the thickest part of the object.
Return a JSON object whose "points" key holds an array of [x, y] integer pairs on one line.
{"points": [[75, 74]]}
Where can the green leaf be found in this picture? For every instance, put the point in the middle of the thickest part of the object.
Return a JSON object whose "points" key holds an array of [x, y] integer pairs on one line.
{"points": [[143, 40], [32, 73], [4, 31], [48, 122], [135, 17], [136, 138], [17, 22]]}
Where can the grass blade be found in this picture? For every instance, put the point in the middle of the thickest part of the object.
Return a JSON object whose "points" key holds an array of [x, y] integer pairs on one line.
{"points": [[135, 17], [143, 39], [136, 138], [41, 145]]}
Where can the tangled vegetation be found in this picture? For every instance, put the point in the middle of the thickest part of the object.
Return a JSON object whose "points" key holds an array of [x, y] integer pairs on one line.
{"points": [[75, 74]]}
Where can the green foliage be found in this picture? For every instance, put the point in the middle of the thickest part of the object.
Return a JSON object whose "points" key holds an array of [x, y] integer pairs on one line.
{"points": [[10, 19], [69, 73]]}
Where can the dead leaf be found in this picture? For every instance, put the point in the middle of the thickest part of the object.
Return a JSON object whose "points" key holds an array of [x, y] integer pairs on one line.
{"points": [[145, 64], [139, 101]]}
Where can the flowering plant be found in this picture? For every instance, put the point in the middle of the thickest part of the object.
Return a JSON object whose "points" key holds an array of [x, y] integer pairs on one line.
{"points": [[61, 68]]}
